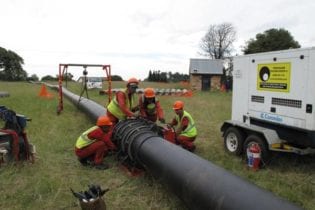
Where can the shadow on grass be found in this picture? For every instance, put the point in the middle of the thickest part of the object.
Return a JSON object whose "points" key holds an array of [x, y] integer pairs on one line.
{"points": [[291, 161]]}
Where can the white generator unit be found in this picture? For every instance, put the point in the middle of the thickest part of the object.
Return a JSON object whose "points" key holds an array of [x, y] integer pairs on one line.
{"points": [[273, 103]]}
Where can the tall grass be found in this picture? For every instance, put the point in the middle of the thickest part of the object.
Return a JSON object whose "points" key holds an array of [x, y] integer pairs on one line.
{"points": [[45, 184]]}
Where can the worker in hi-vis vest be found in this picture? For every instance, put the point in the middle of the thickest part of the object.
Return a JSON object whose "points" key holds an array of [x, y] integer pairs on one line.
{"points": [[186, 131], [125, 103], [150, 107], [94, 144]]}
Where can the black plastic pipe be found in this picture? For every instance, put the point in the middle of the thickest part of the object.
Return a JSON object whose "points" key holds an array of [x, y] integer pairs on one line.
{"points": [[197, 182], [91, 108]]}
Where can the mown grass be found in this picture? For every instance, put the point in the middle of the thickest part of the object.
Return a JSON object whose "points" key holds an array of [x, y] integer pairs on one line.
{"points": [[45, 184]]}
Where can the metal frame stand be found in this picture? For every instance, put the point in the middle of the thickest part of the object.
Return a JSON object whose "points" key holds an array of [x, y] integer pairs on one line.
{"points": [[64, 68]]}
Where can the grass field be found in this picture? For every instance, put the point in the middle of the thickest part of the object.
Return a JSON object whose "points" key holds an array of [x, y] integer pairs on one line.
{"points": [[46, 184]]}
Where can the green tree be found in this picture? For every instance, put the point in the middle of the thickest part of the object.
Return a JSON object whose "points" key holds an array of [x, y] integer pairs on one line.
{"points": [[150, 76], [116, 78], [67, 76], [49, 78], [33, 77], [11, 66], [218, 41], [163, 77], [271, 40]]}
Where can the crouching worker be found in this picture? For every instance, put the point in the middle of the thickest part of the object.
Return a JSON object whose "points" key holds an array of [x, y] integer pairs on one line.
{"points": [[150, 107], [93, 144], [186, 131]]}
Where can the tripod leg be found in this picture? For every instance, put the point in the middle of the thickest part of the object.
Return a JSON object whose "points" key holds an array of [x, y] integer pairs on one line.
{"points": [[86, 91]]}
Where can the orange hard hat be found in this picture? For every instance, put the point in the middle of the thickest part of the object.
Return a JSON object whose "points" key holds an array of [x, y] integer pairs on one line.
{"points": [[132, 81], [178, 105], [103, 120], [149, 93]]}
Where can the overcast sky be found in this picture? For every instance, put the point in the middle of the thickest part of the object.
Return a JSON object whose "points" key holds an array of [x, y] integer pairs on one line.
{"points": [[136, 36]]}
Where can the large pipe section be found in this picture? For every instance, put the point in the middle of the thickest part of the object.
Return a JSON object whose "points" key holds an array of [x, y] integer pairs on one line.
{"points": [[91, 108], [197, 182]]}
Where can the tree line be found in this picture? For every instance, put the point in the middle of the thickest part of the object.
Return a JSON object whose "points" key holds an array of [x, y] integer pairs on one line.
{"points": [[217, 43], [159, 76]]}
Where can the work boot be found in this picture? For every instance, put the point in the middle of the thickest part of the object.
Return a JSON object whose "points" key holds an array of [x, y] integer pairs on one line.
{"points": [[102, 166], [85, 161]]}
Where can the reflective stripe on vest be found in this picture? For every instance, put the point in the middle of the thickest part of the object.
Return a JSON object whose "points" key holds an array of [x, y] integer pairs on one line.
{"points": [[191, 130], [114, 108], [84, 140]]}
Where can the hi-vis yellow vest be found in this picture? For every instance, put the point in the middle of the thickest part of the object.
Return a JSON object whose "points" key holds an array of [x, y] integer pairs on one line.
{"points": [[114, 108], [191, 130], [84, 140]]}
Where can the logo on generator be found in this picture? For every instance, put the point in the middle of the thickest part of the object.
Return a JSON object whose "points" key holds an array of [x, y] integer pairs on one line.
{"points": [[271, 117]]}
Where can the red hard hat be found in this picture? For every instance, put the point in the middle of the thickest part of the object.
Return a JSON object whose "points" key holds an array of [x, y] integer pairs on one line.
{"points": [[103, 120], [149, 93], [178, 105], [132, 81]]}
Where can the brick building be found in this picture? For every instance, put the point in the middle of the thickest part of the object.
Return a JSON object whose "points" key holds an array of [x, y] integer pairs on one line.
{"points": [[205, 74]]}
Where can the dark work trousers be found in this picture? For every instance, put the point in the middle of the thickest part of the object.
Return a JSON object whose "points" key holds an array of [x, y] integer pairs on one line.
{"points": [[97, 149]]}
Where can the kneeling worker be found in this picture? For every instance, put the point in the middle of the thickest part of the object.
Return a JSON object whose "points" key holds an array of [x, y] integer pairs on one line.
{"points": [[186, 131], [94, 143], [150, 107]]}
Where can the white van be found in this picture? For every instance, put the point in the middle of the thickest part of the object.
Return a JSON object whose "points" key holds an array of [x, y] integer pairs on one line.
{"points": [[92, 82]]}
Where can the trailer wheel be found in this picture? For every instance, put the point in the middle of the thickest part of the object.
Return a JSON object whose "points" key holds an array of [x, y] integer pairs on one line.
{"points": [[255, 139], [233, 140]]}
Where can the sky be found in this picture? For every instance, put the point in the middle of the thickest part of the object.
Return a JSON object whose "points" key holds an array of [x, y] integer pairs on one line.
{"points": [[139, 35]]}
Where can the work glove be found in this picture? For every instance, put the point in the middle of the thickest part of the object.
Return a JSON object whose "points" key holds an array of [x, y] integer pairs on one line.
{"points": [[162, 121], [133, 116]]}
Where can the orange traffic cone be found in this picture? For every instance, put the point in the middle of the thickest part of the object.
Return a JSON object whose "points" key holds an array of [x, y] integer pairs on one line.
{"points": [[44, 93]]}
